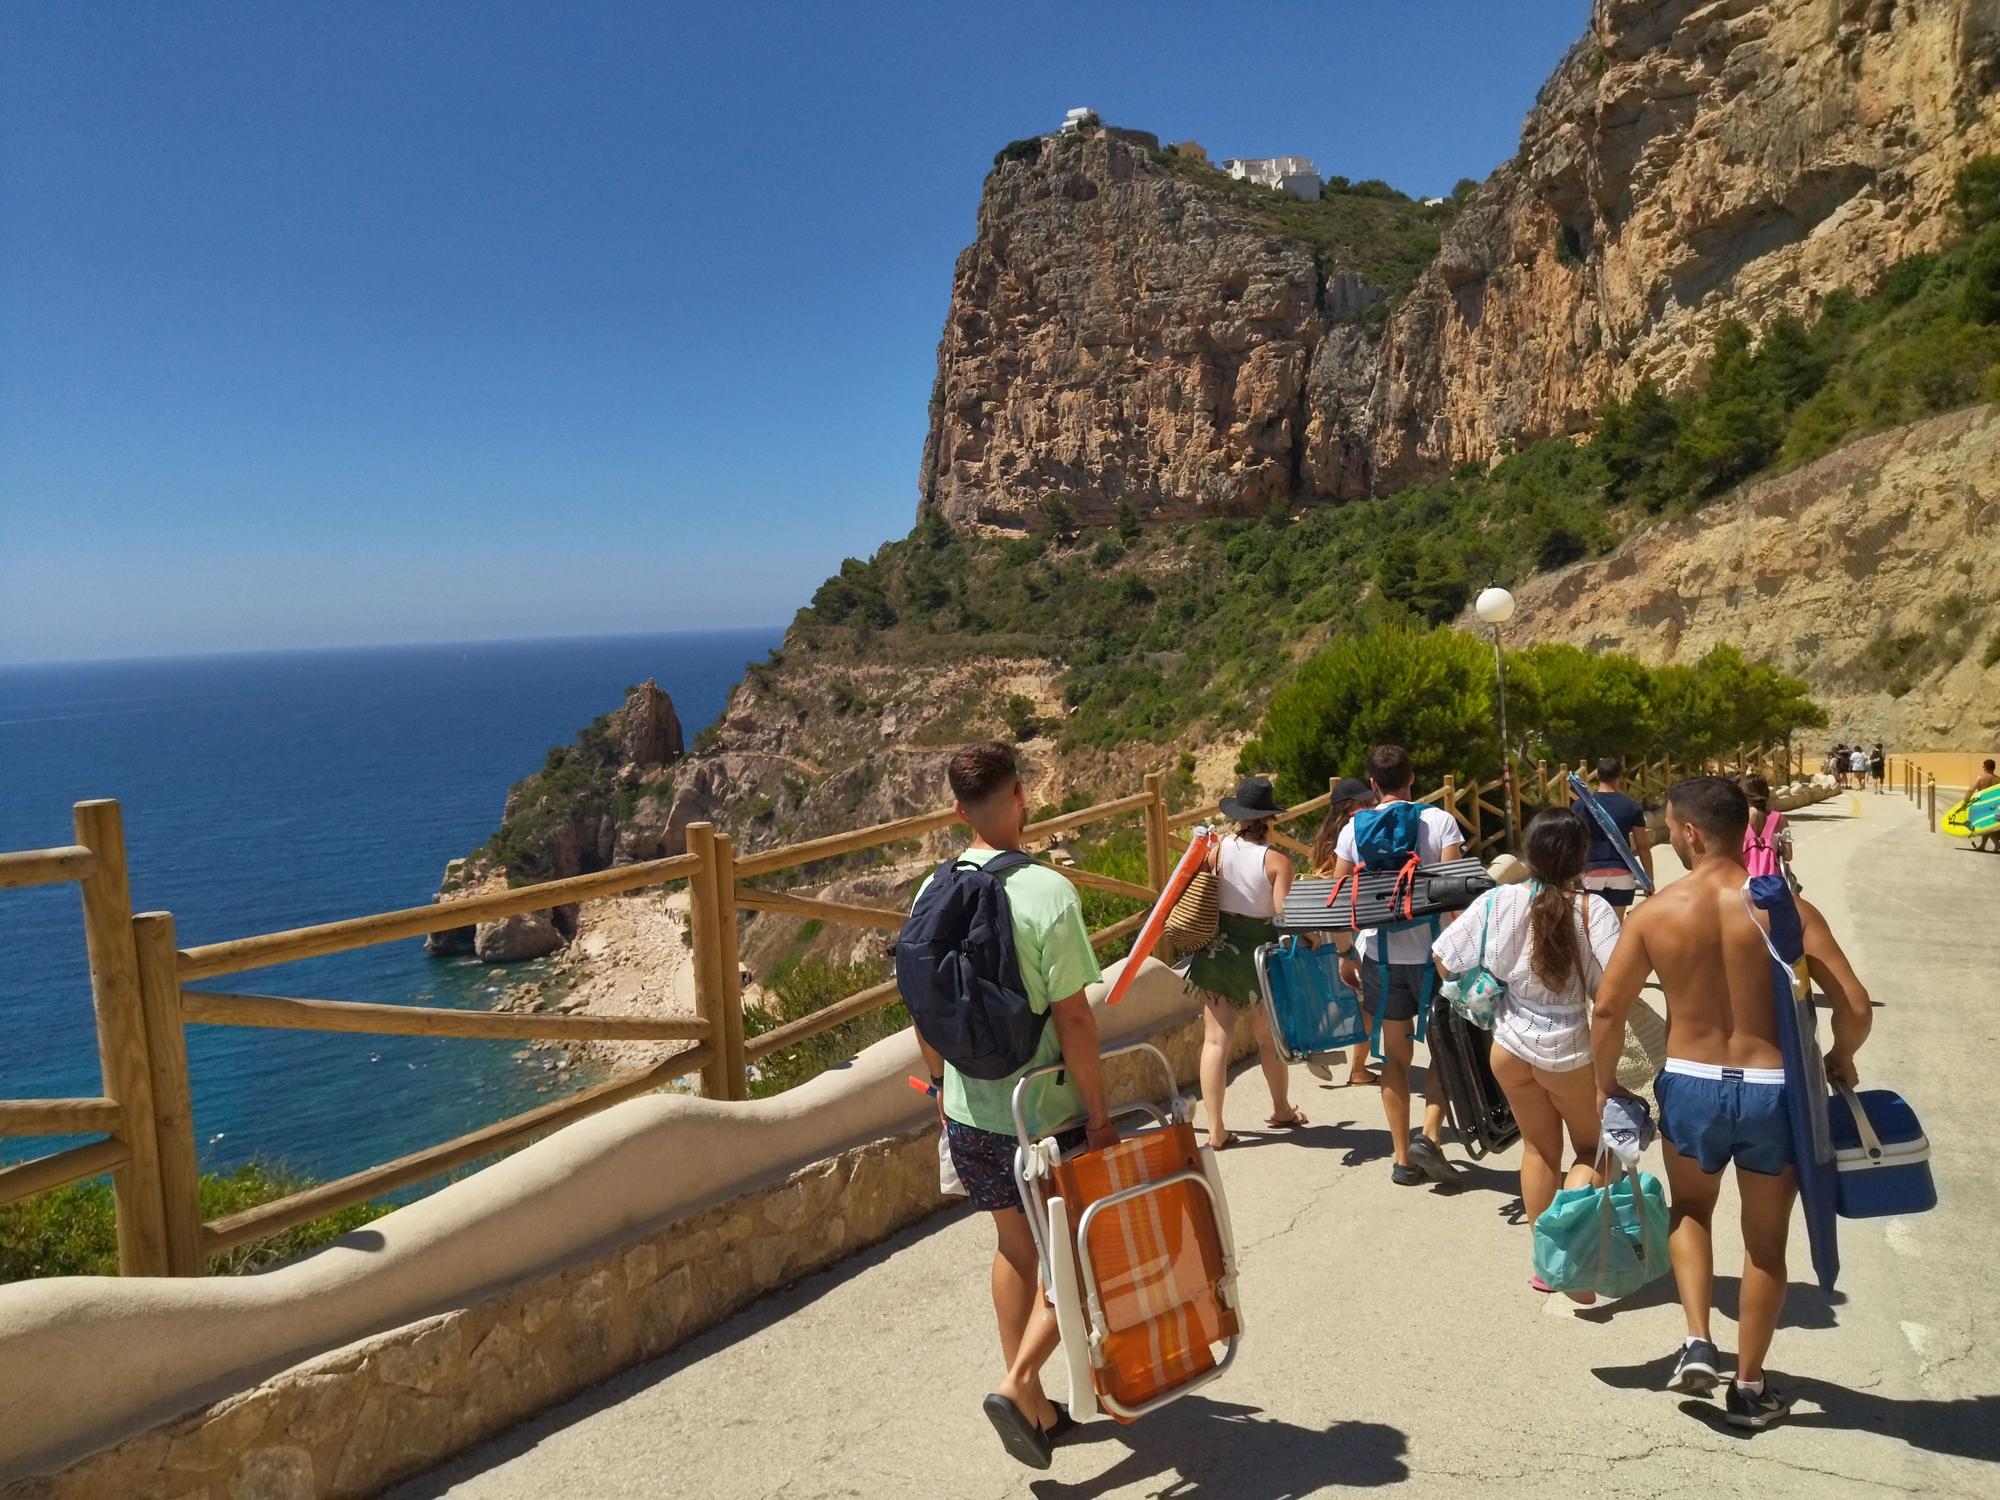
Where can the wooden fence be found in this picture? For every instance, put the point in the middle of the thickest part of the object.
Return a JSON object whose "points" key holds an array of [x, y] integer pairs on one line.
{"points": [[147, 991]]}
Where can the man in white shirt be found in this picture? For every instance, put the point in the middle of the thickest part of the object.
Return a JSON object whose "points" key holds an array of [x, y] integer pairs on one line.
{"points": [[1394, 975]]}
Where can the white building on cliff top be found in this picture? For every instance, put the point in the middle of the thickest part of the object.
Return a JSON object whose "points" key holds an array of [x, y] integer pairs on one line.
{"points": [[1294, 174]]}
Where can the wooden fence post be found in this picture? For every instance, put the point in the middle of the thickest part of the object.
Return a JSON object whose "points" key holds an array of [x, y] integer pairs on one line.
{"points": [[173, 1100], [1475, 836], [1512, 773], [121, 1039], [1542, 782], [1930, 794], [1158, 856], [1449, 801], [730, 960], [705, 935]]}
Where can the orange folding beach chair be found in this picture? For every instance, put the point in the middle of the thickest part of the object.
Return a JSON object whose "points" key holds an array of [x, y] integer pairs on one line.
{"points": [[1136, 1254]]}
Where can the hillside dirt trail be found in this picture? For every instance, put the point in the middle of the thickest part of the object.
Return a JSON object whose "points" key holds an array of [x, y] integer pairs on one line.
{"points": [[1391, 1336]]}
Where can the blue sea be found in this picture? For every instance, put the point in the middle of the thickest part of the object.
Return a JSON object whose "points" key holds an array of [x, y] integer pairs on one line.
{"points": [[269, 791]]}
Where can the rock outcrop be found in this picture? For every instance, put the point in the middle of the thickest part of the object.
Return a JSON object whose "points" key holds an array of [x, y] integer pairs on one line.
{"points": [[597, 802], [1122, 334], [1874, 574], [1129, 329], [1688, 162]]}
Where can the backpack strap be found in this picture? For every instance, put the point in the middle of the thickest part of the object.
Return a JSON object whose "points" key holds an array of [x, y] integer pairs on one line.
{"points": [[1001, 865]]}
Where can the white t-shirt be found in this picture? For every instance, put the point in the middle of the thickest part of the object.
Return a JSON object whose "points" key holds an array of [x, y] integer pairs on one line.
{"points": [[1436, 831], [1538, 1026]]}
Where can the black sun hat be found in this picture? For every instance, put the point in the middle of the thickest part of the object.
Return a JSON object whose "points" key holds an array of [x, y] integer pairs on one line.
{"points": [[1254, 801], [1352, 789]]}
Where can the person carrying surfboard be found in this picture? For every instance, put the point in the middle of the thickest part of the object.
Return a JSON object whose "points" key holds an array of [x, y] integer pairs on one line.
{"points": [[1723, 1093]]}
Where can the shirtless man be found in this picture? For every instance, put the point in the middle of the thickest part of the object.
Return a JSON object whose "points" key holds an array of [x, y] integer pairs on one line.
{"points": [[1722, 1094]]}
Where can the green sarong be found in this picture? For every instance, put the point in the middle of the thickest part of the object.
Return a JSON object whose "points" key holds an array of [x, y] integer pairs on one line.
{"points": [[1228, 966]]}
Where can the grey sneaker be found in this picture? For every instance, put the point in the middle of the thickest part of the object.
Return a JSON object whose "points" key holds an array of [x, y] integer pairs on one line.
{"points": [[1755, 1410], [1404, 1176], [1426, 1158], [1695, 1372]]}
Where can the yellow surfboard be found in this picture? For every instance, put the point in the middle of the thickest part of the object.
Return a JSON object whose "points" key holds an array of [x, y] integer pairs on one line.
{"points": [[1979, 813]]}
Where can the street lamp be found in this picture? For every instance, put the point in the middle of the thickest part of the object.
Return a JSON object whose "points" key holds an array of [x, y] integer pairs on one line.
{"points": [[1495, 607]]}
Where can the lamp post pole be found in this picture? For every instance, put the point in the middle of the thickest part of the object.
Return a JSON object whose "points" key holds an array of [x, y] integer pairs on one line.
{"points": [[1495, 606]]}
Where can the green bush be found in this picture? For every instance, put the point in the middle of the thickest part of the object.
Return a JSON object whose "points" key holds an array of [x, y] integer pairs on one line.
{"points": [[1028, 148], [1977, 192], [73, 1230], [1429, 691], [1022, 721], [803, 987]]}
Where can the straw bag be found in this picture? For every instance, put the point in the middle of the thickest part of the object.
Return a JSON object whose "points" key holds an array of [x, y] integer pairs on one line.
{"points": [[1196, 917], [1645, 1050]]}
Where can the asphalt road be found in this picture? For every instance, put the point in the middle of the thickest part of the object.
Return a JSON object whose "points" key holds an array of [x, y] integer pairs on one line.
{"points": [[1391, 1338]]}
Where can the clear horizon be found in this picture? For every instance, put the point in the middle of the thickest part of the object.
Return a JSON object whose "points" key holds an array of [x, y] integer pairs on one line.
{"points": [[340, 326], [328, 647]]}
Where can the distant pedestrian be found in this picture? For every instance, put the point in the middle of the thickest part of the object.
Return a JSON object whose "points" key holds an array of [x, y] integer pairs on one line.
{"points": [[1606, 874], [1548, 941], [1255, 879], [1878, 767]]}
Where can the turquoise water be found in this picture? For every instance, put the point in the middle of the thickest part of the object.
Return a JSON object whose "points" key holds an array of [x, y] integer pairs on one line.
{"points": [[272, 791]]}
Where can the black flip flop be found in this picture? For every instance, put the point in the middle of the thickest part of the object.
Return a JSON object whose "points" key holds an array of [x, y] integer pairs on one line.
{"points": [[1023, 1440], [1063, 1425]]}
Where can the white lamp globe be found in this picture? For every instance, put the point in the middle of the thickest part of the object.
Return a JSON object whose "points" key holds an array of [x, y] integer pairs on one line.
{"points": [[1495, 606]]}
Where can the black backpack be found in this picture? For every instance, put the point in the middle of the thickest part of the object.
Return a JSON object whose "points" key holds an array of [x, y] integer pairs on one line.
{"points": [[957, 972]]}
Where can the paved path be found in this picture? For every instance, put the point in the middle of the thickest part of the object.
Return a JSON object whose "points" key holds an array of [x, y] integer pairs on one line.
{"points": [[1391, 1337]]}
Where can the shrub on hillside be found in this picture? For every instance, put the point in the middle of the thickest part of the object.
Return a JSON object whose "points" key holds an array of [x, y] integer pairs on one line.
{"points": [[801, 988], [1429, 691], [73, 1230]]}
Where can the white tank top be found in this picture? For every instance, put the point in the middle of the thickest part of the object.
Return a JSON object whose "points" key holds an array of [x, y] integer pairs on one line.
{"points": [[1246, 889]]}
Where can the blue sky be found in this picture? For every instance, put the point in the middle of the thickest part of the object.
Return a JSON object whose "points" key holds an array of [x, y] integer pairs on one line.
{"points": [[349, 323]]}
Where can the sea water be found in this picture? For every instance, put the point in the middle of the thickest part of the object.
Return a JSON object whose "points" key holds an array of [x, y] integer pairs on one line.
{"points": [[273, 791]]}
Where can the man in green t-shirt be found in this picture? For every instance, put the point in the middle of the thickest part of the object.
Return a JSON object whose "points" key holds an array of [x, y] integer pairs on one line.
{"points": [[1052, 946]]}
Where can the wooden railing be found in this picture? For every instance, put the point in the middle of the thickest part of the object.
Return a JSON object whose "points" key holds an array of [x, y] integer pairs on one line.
{"points": [[147, 991]]}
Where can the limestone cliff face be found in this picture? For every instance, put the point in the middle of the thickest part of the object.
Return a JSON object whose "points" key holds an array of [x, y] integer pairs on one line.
{"points": [[1122, 330], [1687, 163], [1873, 573], [1119, 334]]}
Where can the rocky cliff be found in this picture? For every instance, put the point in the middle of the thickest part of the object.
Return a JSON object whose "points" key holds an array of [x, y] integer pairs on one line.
{"points": [[1129, 328], [1687, 163], [1874, 574]]}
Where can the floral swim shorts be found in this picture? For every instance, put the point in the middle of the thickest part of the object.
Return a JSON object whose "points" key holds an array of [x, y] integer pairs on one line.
{"points": [[984, 1161]]}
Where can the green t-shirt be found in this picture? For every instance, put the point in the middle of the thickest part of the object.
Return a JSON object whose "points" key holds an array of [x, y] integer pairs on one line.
{"points": [[1052, 946]]}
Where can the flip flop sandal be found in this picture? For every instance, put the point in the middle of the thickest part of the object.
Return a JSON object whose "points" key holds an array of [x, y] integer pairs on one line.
{"points": [[1217, 1142], [1063, 1425], [1291, 1122], [1024, 1441], [1366, 1080]]}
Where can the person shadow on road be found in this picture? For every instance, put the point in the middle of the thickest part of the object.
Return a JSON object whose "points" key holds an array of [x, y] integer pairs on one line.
{"points": [[1216, 1450]]}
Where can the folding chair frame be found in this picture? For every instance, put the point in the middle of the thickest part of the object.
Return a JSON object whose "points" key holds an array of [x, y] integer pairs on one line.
{"points": [[1262, 959], [1066, 1259]]}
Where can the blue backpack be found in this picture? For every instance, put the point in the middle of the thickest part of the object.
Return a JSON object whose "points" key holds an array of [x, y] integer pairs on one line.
{"points": [[958, 974]]}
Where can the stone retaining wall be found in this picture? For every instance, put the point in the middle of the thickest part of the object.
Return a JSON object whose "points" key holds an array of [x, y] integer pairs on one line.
{"points": [[353, 1420]]}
